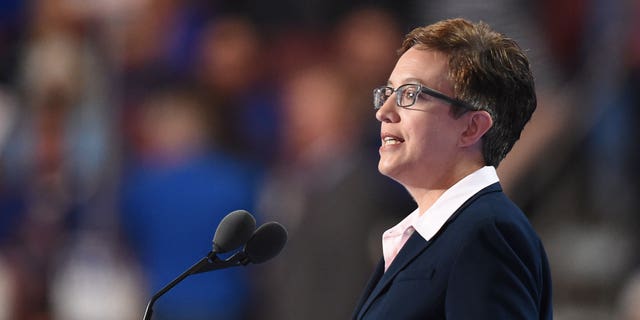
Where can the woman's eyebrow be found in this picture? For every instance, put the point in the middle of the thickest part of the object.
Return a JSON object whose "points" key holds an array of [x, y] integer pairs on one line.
{"points": [[411, 80]]}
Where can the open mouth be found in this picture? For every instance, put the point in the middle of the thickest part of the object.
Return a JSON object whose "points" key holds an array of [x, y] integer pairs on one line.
{"points": [[388, 140]]}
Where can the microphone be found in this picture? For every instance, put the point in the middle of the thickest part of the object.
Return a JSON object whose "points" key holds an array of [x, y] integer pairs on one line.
{"points": [[265, 243], [268, 240], [235, 229]]}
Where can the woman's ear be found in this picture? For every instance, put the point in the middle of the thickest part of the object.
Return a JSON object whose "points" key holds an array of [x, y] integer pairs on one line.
{"points": [[477, 124]]}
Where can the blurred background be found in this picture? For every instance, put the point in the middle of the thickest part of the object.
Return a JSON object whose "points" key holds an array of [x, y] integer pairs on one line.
{"points": [[128, 129]]}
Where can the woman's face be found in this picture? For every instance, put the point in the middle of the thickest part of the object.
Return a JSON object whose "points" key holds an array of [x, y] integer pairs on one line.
{"points": [[419, 145]]}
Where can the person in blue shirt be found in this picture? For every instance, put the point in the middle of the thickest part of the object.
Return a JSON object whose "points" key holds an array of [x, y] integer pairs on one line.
{"points": [[175, 190]]}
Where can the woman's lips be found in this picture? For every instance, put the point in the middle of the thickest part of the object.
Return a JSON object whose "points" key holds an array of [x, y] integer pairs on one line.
{"points": [[389, 139]]}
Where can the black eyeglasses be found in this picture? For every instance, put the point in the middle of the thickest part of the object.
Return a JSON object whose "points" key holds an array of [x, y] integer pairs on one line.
{"points": [[407, 95]]}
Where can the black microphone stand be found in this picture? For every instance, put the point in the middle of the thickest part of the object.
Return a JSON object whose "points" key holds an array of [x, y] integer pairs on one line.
{"points": [[208, 263]]}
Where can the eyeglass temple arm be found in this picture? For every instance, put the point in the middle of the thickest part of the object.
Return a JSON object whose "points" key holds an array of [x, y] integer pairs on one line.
{"points": [[444, 97]]}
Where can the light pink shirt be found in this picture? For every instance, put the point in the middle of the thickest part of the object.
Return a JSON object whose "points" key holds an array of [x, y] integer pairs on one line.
{"points": [[429, 223]]}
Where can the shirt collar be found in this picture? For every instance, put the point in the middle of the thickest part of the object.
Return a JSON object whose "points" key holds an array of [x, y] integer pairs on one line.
{"points": [[437, 215], [429, 223]]}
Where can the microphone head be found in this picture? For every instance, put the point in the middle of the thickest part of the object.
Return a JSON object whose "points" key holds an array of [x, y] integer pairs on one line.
{"points": [[266, 242], [234, 230]]}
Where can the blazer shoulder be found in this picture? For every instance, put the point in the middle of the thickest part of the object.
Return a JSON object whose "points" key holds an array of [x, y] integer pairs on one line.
{"points": [[490, 204], [489, 239], [490, 211]]}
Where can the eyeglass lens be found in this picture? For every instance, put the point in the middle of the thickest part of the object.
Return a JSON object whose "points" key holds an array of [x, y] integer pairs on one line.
{"points": [[406, 95]]}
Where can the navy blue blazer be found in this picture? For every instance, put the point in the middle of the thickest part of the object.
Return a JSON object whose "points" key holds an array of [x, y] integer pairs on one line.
{"points": [[486, 262]]}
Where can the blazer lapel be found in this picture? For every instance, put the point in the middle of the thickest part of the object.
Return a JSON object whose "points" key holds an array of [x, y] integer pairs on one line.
{"points": [[412, 248]]}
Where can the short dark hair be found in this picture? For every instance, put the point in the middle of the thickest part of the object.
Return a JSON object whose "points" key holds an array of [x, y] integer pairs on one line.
{"points": [[489, 71]]}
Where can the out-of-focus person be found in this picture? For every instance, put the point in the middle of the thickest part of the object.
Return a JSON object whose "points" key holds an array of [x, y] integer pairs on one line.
{"points": [[323, 190], [175, 190], [232, 68]]}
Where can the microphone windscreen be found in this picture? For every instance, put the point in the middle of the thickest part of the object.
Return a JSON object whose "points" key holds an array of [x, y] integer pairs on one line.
{"points": [[266, 242], [234, 230]]}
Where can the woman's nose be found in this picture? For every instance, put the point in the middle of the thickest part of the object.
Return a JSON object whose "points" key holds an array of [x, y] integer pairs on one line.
{"points": [[388, 112]]}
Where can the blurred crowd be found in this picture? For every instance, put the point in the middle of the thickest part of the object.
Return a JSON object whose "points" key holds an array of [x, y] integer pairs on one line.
{"points": [[128, 129]]}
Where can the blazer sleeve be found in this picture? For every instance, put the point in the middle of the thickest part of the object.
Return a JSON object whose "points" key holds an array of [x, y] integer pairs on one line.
{"points": [[497, 274]]}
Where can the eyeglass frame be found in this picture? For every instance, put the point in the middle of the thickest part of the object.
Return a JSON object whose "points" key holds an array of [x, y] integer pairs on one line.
{"points": [[421, 89]]}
